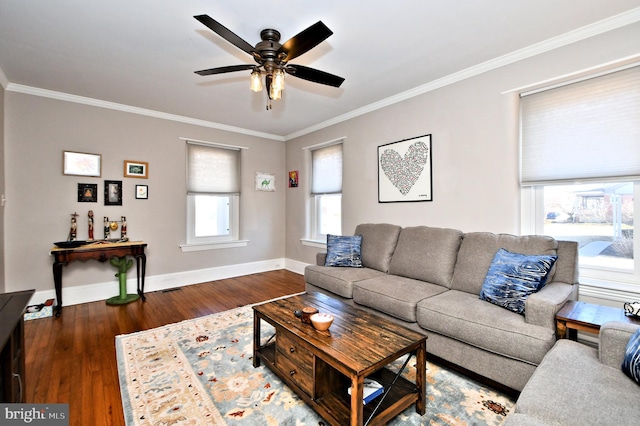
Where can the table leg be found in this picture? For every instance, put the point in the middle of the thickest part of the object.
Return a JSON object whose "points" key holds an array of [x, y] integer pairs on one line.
{"points": [[141, 266], [421, 378], [256, 339], [57, 279], [561, 329], [357, 394]]}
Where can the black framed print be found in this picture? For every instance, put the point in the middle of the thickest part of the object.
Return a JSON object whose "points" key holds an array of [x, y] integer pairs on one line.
{"points": [[142, 192], [112, 192], [404, 171], [87, 193]]}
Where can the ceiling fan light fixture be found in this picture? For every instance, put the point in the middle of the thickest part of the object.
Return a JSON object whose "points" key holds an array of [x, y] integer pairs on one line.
{"points": [[275, 94], [278, 79], [256, 81]]}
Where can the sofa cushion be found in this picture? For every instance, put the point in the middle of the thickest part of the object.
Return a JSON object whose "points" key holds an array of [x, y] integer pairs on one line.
{"points": [[378, 243], [512, 277], [344, 251], [338, 280], [466, 318], [394, 295], [426, 254], [571, 387], [631, 362], [477, 251]]}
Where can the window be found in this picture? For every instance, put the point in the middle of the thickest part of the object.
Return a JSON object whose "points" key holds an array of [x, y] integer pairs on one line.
{"points": [[326, 191], [213, 192], [580, 169]]}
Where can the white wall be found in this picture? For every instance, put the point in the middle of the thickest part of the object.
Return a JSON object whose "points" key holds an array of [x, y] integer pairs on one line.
{"points": [[474, 129], [41, 199]]}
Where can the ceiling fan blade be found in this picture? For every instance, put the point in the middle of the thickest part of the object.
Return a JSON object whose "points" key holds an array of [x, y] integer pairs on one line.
{"points": [[314, 75], [305, 40], [222, 70], [225, 33]]}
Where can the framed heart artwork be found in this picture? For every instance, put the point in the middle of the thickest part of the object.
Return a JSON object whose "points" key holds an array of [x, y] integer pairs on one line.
{"points": [[404, 171]]}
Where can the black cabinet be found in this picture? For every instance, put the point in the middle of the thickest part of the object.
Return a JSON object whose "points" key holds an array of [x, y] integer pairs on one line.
{"points": [[12, 378]]}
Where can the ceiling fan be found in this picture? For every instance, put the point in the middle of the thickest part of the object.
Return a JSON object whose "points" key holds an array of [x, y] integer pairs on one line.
{"points": [[272, 58]]}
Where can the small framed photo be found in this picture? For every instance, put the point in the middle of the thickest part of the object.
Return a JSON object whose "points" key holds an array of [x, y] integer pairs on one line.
{"points": [[142, 192], [87, 193], [81, 164], [265, 182], [293, 179], [112, 192], [136, 169]]}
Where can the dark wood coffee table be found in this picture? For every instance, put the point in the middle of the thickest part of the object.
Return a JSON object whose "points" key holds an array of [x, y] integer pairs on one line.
{"points": [[580, 316], [320, 366]]}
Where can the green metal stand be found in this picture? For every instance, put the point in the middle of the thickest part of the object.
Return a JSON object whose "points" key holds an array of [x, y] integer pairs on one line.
{"points": [[123, 265]]}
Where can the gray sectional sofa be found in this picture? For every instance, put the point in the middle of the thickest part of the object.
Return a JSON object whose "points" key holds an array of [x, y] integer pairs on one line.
{"points": [[579, 385], [429, 279]]}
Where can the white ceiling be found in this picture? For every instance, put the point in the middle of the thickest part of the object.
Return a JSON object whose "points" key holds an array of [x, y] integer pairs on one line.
{"points": [[143, 53]]}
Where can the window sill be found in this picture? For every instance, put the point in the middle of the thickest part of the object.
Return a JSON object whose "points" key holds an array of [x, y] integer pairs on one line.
{"points": [[313, 243], [213, 246]]}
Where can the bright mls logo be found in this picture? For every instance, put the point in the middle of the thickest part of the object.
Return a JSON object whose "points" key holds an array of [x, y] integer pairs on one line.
{"points": [[34, 414]]}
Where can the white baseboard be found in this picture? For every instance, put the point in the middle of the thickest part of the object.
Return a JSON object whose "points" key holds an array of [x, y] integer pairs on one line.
{"points": [[102, 291]]}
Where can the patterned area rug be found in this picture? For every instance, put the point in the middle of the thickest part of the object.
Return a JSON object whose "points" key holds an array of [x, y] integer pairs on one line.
{"points": [[200, 372]]}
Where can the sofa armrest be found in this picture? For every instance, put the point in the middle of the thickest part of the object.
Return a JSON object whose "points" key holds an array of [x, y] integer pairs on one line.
{"points": [[613, 339], [320, 258], [541, 307]]}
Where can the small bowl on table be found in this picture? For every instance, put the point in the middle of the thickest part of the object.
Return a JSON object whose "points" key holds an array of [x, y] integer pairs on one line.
{"points": [[321, 321]]}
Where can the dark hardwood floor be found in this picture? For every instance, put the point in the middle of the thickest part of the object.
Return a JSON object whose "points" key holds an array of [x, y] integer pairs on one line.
{"points": [[71, 359]]}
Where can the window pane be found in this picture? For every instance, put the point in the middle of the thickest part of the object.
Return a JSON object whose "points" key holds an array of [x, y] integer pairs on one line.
{"points": [[329, 214], [211, 215], [599, 216]]}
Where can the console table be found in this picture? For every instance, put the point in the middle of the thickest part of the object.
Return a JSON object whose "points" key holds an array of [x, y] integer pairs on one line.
{"points": [[100, 251]]}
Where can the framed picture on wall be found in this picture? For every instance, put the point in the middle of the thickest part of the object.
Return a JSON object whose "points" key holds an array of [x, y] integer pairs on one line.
{"points": [[142, 192], [87, 193], [81, 164], [136, 169], [112, 192], [404, 171]]}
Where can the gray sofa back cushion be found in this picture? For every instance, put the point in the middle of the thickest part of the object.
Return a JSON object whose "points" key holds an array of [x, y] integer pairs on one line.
{"points": [[378, 244], [478, 249], [426, 254]]}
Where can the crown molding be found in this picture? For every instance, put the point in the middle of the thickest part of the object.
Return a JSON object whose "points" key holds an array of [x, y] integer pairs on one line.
{"points": [[19, 88], [600, 27]]}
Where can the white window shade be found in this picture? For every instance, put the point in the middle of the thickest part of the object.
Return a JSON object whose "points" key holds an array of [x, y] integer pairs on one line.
{"points": [[583, 131], [212, 170], [326, 166]]}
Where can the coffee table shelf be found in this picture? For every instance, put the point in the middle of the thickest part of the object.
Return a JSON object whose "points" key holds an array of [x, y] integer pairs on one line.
{"points": [[321, 366]]}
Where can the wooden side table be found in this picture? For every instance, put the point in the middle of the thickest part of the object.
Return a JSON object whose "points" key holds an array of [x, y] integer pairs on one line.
{"points": [[580, 316]]}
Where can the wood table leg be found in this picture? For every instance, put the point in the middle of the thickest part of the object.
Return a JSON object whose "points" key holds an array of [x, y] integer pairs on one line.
{"points": [[357, 395], [256, 339], [57, 280], [561, 329], [421, 378]]}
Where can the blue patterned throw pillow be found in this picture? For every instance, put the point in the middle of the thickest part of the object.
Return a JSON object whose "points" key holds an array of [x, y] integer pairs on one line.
{"points": [[512, 277], [631, 362], [344, 251]]}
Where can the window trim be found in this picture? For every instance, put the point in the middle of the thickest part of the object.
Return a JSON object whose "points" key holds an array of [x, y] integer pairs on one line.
{"points": [[193, 243], [598, 280], [314, 239]]}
